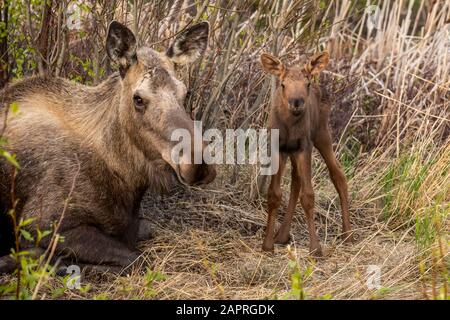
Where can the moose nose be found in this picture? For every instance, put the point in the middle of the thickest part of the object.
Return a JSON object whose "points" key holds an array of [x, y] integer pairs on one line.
{"points": [[297, 102], [197, 174], [193, 173]]}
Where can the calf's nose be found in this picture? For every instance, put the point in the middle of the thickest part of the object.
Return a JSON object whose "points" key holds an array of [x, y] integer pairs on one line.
{"points": [[297, 102]]}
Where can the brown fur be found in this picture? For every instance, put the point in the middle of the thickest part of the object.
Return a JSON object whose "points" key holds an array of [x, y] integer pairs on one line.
{"points": [[97, 139], [301, 114]]}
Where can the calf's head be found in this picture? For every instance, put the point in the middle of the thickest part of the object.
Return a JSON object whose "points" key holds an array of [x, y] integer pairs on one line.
{"points": [[295, 82], [152, 98]]}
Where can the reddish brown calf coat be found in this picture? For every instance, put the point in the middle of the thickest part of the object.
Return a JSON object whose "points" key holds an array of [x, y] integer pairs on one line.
{"points": [[301, 115]]}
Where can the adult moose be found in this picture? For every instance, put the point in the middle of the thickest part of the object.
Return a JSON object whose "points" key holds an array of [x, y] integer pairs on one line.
{"points": [[103, 146], [301, 114]]}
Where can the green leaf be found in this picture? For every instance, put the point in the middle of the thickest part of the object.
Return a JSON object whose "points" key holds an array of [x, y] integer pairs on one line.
{"points": [[26, 235], [58, 292], [24, 223], [41, 235], [85, 289], [14, 107], [101, 296], [10, 158]]}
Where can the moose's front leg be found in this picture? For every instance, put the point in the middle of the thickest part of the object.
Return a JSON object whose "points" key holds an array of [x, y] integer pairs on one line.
{"points": [[146, 230], [274, 196], [8, 264], [89, 245]]}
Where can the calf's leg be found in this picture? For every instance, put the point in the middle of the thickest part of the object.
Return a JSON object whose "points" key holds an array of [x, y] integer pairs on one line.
{"points": [[273, 202], [307, 199], [324, 145], [283, 236]]}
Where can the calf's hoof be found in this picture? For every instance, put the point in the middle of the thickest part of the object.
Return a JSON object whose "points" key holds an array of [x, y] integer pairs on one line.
{"points": [[267, 247], [348, 237], [282, 239], [316, 251]]}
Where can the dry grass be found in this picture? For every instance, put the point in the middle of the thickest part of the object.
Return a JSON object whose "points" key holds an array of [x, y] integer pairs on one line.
{"points": [[207, 244], [212, 250]]}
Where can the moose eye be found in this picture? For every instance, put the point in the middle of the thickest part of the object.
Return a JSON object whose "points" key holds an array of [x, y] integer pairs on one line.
{"points": [[282, 86], [139, 103]]}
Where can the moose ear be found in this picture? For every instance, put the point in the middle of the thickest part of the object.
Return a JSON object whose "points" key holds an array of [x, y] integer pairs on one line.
{"points": [[317, 63], [271, 64], [190, 44], [121, 45]]}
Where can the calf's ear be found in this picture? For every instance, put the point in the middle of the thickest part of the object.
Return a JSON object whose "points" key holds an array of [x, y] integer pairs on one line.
{"points": [[317, 63], [190, 44], [121, 46], [271, 65]]}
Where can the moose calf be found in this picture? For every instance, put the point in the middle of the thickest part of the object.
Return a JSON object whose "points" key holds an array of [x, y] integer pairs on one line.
{"points": [[98, 147], [301, 115]]}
